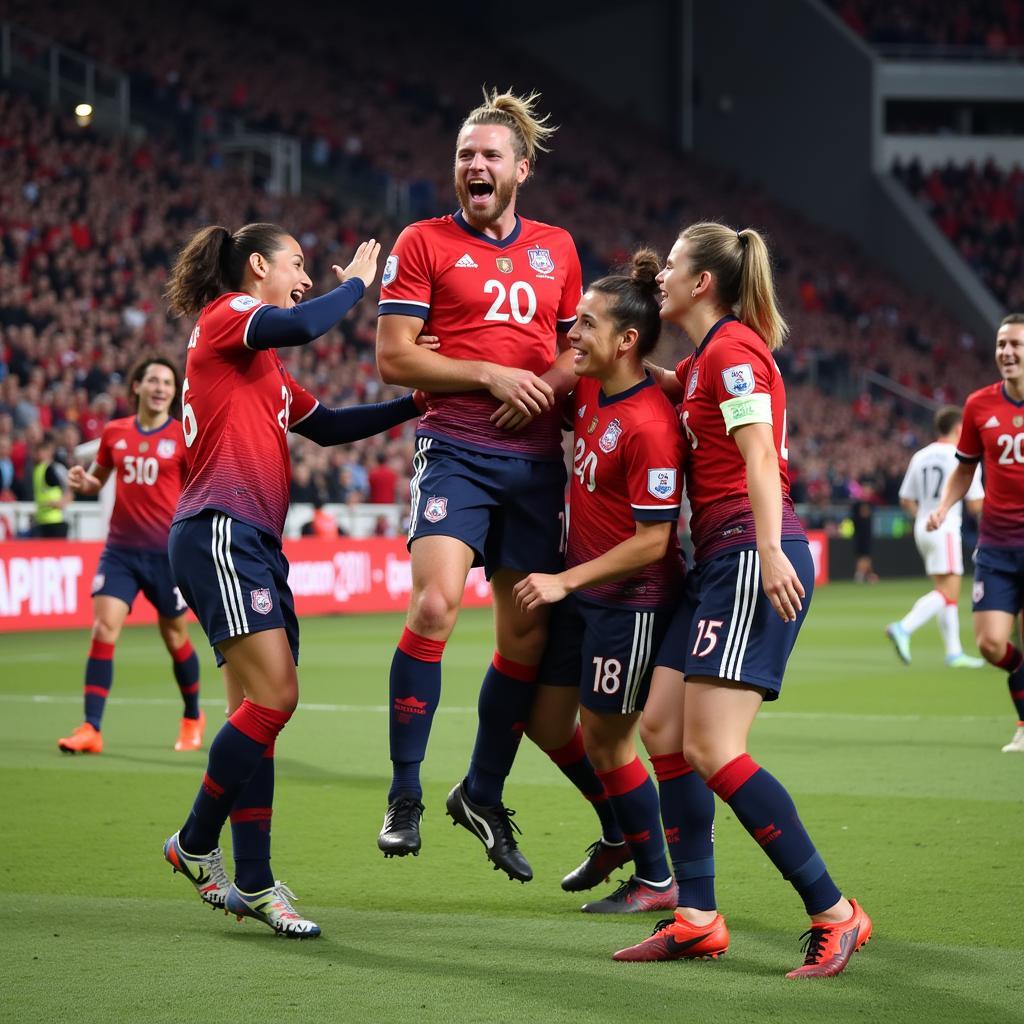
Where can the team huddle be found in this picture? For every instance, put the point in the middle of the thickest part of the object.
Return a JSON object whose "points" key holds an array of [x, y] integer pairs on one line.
{"points": [[602, 635]]}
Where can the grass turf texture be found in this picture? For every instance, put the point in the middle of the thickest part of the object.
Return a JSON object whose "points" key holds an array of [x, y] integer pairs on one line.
{"points": [[897, 771]]}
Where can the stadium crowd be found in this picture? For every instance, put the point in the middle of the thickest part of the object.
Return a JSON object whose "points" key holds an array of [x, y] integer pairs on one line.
{"points": [[89, 227]]}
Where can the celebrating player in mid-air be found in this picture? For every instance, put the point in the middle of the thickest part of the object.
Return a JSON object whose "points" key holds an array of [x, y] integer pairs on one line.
{"points": [[942, 550], [993, 435], [238, 404], [500, 292], [146, 455]]}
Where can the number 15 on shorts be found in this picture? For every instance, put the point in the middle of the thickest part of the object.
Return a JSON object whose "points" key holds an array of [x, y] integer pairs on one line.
{"points": [[707, 637]]}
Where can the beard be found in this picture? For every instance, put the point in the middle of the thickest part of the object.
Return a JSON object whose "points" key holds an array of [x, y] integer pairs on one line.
{"points": [[504, 193]]}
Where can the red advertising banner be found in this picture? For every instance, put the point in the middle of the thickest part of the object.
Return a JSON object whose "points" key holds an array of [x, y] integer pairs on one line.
{"points": [[818, 541], [46, 584]]}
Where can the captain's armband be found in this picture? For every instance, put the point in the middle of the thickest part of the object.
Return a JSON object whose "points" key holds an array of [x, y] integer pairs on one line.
{"points": [[756, 408]]}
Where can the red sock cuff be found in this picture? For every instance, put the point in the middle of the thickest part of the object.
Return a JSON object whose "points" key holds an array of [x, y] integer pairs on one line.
{"points": [[419, 647], [572, 752], [670, 766], [251, 814], [951, 602], [101, 651], [731, 776], [258, 722], [183, 653], [515, 669], [625, 779], [1011, 660]]}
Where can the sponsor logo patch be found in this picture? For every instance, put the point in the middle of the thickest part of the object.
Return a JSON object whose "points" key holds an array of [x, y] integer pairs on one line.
{"points": [[261, 601], [610, 438], [240, 303], [992, 421], [661, 482], [582, 411], [121, 444], [540, 260], [166, 447], [390, 270], [504, 264], [738, 380], [435, 509], [466, 261]]}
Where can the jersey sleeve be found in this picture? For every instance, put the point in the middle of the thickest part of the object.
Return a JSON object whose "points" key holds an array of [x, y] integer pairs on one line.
{"points": [[911, 486], [406, 286], [969, 447], [572, 291], [303, 403], [976, 491], [226, 327], [653, 468], [741, 383], [104, 456]]}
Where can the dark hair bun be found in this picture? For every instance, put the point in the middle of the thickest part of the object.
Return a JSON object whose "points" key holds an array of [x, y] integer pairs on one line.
{"points": [[644, 267]]}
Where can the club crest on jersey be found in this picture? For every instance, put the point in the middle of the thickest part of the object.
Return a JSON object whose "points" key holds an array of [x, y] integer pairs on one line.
{"points": [[540, 260], [691, 384], [166, 447], [261, 601], [739, 380], [144, 447], [1018, 421], [504, 264], [610, 438], [435, 509], [661, 482], [240, 303], [390, 270]]}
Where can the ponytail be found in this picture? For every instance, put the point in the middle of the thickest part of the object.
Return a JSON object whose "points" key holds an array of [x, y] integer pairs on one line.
{"points": [[214, 262]]}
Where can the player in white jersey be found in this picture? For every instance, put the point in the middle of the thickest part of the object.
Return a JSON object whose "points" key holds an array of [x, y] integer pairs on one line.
{"points": [[942, 549]]}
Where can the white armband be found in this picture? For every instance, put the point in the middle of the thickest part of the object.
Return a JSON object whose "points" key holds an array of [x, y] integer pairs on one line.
{"points": [[756, 408]]}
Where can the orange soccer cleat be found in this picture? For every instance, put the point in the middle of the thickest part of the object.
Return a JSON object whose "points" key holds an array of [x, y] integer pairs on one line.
{"points": [[678, 939], [86, 739], [828, 947], [190, 733]]}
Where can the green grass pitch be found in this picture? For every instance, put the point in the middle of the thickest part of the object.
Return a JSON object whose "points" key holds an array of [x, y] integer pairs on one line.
{"points": [[896, 771]]}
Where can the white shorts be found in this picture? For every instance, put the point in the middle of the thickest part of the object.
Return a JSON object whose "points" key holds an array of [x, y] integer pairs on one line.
{"points": [[942, 551]]}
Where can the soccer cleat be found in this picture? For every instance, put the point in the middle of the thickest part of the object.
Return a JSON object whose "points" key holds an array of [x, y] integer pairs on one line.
{"points": [[400, 834], [635, 897], [962, 660], [273, 907], [1016, 745], [190, 733], [900, 640], [206, 871], [493, 826], [86, 739], [828, 947], [675, 938], [602, 859]]}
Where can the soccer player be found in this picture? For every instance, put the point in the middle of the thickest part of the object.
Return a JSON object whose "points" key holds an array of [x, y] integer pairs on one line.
{"points": [[754, 576], [146, 454], [942, 550], [993, 435], [500, 292], [238, 404], [624, 570]]}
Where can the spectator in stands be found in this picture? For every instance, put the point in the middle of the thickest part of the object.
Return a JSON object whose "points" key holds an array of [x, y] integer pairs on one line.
{"points": [[383, 482], [50, 488]]}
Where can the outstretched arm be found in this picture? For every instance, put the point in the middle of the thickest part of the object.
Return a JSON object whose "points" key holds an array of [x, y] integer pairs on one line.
{"points": [[327, 426]]}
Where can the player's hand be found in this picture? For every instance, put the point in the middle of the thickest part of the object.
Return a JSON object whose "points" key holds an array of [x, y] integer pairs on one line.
{"points": [[431, 341], [81, 482], [522, 390], [935, 518], [508, 417], [539, 589], [363, 265], [781, 584]]}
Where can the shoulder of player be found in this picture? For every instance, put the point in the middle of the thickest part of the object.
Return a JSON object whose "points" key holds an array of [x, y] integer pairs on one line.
{"points": [[985, 394], [121, 425], [735, 341], [531, 228]]}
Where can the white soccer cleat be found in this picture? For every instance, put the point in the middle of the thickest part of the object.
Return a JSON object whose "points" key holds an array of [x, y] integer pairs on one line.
{"points": [[273, 907], [206, 872], [1016, 745], [900, 640], [962, 660]]}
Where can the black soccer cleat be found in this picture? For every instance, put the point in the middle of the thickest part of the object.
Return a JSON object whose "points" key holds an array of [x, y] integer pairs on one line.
{"points": [[601, 860], [400, 834], [493, 826]]}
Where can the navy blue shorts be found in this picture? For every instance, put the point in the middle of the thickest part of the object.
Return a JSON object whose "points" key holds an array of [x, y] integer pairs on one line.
{"points": [[607, 652], [726, 628], [234, 577], [998, 580], [123, 572], [511, 512]]}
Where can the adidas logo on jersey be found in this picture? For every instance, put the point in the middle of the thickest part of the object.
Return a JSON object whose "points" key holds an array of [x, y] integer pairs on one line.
{"points": [[993, 421], [121, 444], [466, 261]]}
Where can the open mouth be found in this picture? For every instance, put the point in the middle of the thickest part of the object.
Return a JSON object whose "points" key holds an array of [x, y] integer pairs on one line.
{"points": [[296, 295], [480, 190]]}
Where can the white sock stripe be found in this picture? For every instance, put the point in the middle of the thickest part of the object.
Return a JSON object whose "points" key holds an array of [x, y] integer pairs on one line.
{"points": [[233, 578], [229, 610], [754, 594]]}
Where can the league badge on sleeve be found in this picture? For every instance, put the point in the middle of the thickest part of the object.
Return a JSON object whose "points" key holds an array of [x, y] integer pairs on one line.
{"points": [[610, 438], [661, 482], [390, 270], [739, 380], [261, 601], [540, 260], [241, 303], [166, 447], [435, 509]]}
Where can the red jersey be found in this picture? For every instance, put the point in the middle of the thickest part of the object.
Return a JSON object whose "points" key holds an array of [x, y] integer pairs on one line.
{"points": [[237, 405], [501, 301], [149, 467], [993, 431], [627, 467], [730, 380]]}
